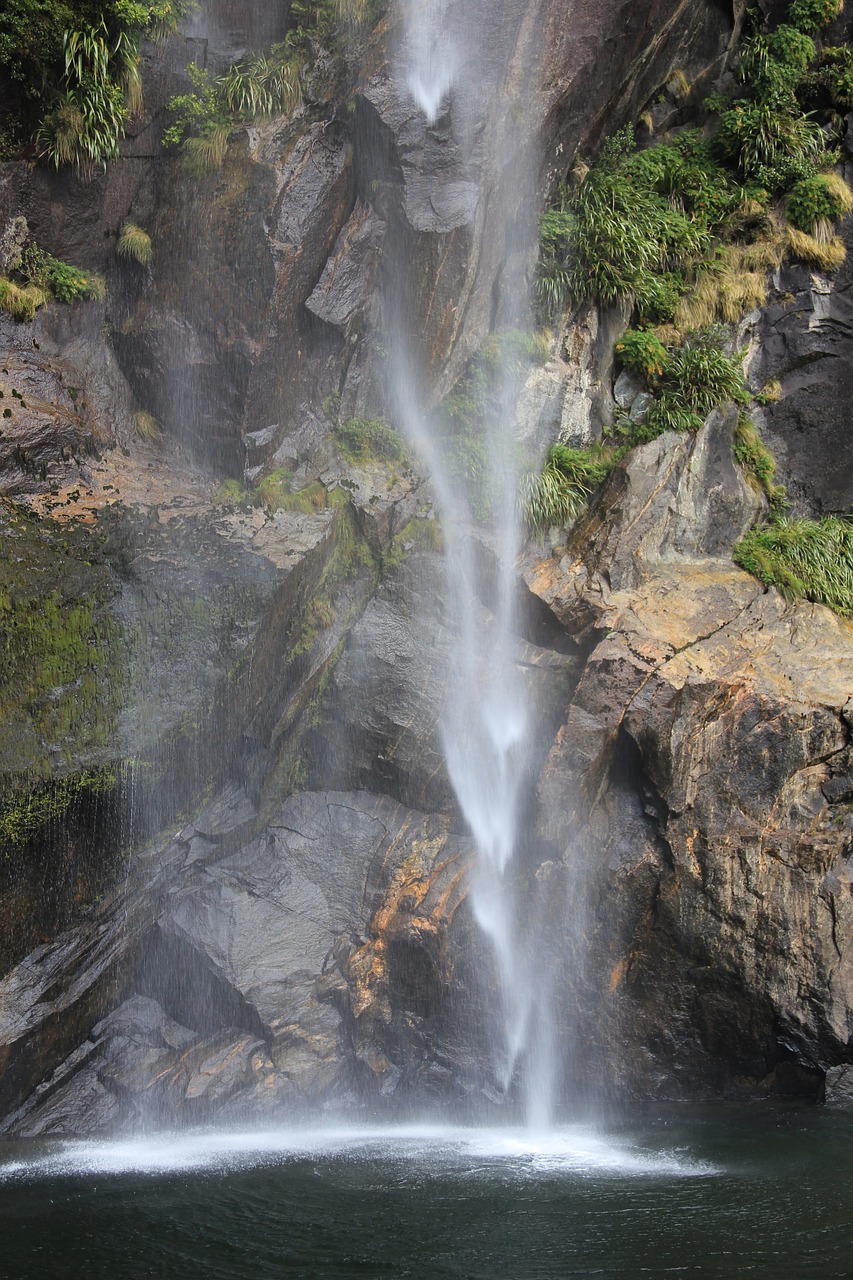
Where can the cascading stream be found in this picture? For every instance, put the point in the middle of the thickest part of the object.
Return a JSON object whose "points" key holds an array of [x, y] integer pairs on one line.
{"points": [[486, 725]]}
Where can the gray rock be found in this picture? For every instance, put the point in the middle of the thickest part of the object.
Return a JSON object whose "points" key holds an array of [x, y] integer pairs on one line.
{"points": [[344, 289], [640, 406], [626, 388]]}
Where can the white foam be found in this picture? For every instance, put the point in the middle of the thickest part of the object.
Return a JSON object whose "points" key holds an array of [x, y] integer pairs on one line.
{"points": [[575, 1151]]}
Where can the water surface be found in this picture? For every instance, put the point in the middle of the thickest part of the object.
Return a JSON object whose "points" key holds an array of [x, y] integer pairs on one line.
{"points": [[725, 1192]]}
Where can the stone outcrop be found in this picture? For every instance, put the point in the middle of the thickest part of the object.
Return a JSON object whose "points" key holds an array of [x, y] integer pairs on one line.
{"points": [[703, 771]]}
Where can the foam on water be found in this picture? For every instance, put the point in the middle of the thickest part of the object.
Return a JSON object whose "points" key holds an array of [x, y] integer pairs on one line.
{"points": [[575, 1151]]}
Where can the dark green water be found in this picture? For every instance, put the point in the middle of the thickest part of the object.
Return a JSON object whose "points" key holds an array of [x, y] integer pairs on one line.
{"points": [[763, 1193]]}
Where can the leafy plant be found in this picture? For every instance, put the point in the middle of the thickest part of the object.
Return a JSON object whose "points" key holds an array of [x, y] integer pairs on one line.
{"points": [[196, 112], [834, 75], [70, 284], [134, 243], [643, 351], [811, 15], [815, 203], [806, 558]]}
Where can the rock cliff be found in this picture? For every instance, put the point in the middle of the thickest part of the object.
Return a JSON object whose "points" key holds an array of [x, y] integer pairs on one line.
{"points": [[258, 658]]}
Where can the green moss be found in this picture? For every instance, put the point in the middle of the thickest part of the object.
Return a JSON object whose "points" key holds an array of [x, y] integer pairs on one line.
{"points": [[275, 492], [369, 440], [62, 672], [759, 464], [233, 493], [25, 813], [419, 534]]}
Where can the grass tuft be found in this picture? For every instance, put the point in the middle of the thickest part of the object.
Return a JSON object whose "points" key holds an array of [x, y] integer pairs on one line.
{"points": [[134, 243], [147, 426], [811, 559]]}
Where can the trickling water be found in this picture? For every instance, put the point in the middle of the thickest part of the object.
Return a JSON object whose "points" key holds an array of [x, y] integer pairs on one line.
{"points": [[430, 58], [486, 723]]}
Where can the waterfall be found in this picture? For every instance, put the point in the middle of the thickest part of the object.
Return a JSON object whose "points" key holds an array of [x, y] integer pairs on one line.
{"points": [[430, 56], [486, 724]]}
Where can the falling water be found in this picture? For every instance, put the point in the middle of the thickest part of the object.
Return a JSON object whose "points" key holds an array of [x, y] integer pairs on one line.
{"points": [[430, 57], [486, 723]]}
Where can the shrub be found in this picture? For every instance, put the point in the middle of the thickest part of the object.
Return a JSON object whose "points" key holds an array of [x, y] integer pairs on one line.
{"points": [[70, 284], [834, 74], [815, 203], [807, 558], [194, 113], [773, 65], [134, 243], [642, 351], [811, 15]]}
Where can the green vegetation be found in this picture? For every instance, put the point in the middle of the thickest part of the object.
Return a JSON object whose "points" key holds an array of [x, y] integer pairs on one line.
{"points": [[806, 558], [559, 493], [368, 439], [687, 231], [24, 814], [265, 84], [815, 203], [38, 277], [60, 649], [204, 117], [478, 399], [697, 377], [758, 465], [73, 74], [697, 212], [811, 15]]}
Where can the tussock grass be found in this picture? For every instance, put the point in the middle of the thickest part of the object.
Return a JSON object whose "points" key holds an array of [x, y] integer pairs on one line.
{"points": [[134, 243], [204, 155], [557, 495], [806, 558], [825, 255], [21, 301], [147, 426]]}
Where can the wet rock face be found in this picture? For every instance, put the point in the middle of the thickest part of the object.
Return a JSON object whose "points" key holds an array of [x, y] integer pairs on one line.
{"points": [[325, 960], [803, 341]]}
